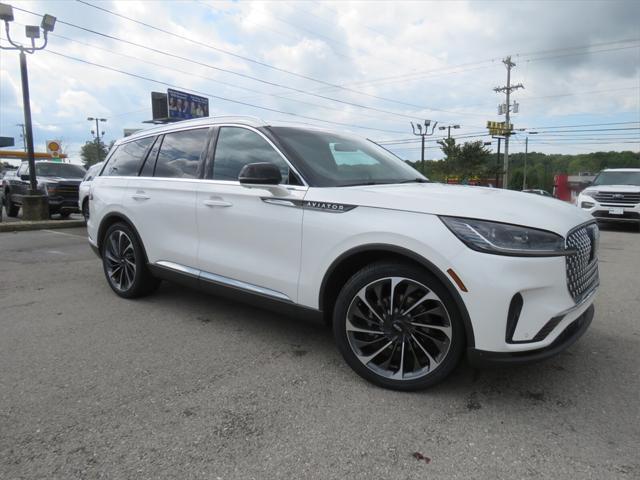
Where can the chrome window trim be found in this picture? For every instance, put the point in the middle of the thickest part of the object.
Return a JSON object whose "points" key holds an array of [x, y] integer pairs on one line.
{"points": [[298, 188]]}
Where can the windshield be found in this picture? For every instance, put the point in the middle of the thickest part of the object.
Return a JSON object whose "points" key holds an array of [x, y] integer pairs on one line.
{"points": [[65, 170], [328, 159], [617, 178]]}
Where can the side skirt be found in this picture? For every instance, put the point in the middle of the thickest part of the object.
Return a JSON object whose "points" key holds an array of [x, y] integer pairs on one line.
{"points": [[212, 287]]}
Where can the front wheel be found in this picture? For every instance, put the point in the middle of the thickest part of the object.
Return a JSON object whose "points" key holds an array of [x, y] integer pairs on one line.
{"points": [[397, 326], [124, 263], [12, 208]]}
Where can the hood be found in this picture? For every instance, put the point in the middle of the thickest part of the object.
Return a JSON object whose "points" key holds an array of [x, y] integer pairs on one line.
{"points": [[483, 203], [612, 188]]}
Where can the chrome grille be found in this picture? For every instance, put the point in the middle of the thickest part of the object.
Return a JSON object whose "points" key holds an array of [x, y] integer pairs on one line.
{"points": [[626, 198], [582, 266]]}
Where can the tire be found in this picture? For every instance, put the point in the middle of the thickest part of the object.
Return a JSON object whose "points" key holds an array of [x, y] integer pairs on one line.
{"points": [[376, 345], [12, 208], [124, 263], [64, 215]]}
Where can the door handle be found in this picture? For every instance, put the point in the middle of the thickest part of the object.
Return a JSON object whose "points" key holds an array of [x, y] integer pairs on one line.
{"points": [[217, 203], [140, 196]]}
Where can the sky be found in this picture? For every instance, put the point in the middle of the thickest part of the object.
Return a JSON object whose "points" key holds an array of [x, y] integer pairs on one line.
{"points": [[370, 68]]}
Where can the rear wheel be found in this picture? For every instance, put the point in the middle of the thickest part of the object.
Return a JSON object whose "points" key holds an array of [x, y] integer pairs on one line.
{"points": [[124, 263], [397, 326]]}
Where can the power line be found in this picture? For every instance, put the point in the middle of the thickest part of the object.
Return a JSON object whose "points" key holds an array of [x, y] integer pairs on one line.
{"points": [[149, 79], [584, 125], [263, 64], [257, 79], [221, 82]]}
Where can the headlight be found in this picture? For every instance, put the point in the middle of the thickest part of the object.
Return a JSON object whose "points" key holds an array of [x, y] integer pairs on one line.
{"points": [[586, 204], [49, 188], [506, 239]]}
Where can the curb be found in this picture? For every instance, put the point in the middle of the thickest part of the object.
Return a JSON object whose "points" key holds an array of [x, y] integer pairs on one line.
{"points": [[39, 225]]}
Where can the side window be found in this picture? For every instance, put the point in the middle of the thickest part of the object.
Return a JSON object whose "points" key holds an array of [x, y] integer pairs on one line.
{"points": [[237, 147], [180, 154], [150, 162], [127, 159], [23, 170]]}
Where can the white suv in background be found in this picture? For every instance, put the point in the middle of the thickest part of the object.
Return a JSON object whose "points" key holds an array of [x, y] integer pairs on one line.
{"points": [[614, 196], [410, 274], [85, 188]]}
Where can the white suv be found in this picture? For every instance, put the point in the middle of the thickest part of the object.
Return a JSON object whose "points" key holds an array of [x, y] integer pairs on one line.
{"points": [[409, 273], [614, 196]]}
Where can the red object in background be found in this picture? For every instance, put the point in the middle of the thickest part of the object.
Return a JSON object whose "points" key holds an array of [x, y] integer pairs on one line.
{"points": [[561, 188]]}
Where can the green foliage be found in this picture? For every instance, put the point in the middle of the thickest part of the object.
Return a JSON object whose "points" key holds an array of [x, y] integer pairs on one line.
{"points": [[94, 152], [472, 159]]}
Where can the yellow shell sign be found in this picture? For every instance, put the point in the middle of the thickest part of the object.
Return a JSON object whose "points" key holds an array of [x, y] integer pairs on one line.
{"points": [[54, 148]]}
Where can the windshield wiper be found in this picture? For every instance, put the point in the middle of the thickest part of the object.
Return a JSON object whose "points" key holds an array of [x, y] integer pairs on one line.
{"points": [[415, 180]]}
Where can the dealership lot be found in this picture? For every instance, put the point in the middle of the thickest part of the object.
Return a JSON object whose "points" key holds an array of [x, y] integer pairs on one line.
{"points": [[184, 385]]}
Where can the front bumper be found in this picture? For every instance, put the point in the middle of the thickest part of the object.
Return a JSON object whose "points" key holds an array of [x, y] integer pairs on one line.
{"points": [[483, 358], [624, 212], [61, 204]]}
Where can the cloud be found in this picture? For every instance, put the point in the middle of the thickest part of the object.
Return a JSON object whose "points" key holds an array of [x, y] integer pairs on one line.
{"points": [[437, 60]]}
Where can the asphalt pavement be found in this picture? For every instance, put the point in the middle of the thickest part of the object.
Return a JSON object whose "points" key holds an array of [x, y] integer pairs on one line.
{"points": [[181, 385]]}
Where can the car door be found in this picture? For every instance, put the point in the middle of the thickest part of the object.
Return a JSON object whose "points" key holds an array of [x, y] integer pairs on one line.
{"points": [[249, 238], [161, 200]]}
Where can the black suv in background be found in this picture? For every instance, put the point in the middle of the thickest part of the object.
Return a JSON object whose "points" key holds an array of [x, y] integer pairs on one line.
{"points": [[59, 181]]}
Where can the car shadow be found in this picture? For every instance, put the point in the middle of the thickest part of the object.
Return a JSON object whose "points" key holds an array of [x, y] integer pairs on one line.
{"points": [[551, 382]]}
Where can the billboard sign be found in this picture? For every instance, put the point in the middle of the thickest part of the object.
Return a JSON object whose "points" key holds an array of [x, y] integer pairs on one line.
{"points": [[182, 105]]}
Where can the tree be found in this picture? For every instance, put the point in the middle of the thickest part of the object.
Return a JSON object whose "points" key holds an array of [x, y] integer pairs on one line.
{"points": [[94, 152], [471, 159]]}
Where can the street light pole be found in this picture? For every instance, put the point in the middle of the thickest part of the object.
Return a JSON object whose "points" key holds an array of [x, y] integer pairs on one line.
{"points": [[97, 135], [34, 205], [26, 102], [423, 134], [448, 128]]}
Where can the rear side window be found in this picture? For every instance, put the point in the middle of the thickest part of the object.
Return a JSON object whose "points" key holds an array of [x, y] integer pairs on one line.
{"points": [[180, 154], [237, 147], [127, 159]]}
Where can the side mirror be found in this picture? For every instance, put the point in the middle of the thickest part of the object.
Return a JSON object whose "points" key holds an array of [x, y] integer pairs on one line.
{"points": [[262, 173], [24, 176]]}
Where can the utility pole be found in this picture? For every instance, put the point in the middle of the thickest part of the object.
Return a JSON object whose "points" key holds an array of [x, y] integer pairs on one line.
{"points": [[96, 133], [498, 162], [526, 151], [507, 108], [23, 135], [448, 128], [417, 130]]}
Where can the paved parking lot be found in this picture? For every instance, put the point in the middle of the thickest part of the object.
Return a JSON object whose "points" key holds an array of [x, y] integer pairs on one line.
{"points": [[184, 385]]}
